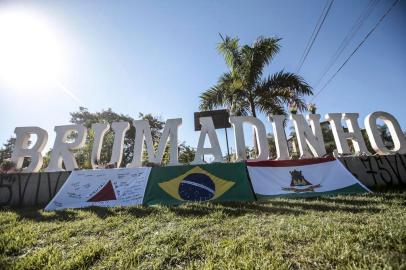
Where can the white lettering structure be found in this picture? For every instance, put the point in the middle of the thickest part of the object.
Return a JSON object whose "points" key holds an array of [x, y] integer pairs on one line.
{"points": [[309, 136]]}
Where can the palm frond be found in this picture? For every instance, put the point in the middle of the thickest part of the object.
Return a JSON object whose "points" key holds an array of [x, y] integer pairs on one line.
{"points": [[260, 55], [230, 49], [211, 98], [243, 91], [287, 80], [271, 106], [240, 107], [280, 89], [224, 93]]}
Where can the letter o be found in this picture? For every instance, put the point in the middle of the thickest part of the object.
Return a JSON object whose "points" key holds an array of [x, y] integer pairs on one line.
{"points": [[399, 140]]}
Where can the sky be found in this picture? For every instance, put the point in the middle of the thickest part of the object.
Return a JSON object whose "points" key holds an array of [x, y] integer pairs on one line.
{"points": [[158, 56]]}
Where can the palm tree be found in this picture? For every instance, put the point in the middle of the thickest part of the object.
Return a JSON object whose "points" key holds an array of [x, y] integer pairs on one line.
{"points": [[244, 90]]}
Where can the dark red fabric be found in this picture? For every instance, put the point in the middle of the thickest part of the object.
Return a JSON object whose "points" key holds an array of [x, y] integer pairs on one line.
{"points": [[105, 194], [288, 163]]}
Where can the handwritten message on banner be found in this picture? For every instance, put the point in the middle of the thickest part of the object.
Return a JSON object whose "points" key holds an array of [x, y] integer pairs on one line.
{"points": [[113, 187]]}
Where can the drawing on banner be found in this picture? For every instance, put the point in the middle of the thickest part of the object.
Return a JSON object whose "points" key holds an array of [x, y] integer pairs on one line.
{"points": [[196, 185], [105, 194], [299, 183], [115, 187]]}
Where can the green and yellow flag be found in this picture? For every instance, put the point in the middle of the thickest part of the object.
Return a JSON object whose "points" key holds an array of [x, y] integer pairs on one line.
{"points": [[197, 183]]}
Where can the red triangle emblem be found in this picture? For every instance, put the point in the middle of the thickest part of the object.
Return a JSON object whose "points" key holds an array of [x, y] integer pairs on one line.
{"points": [[105, 194]]}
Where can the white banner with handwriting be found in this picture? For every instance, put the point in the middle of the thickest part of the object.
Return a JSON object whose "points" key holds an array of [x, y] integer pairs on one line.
{"points": [[112, 187]]}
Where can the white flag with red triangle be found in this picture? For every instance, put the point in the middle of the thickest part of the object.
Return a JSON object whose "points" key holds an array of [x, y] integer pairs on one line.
{"points": [[303, 178], [112, 187]]}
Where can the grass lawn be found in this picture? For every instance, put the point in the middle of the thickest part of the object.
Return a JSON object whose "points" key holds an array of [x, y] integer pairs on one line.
{"points": [[366, 231]]}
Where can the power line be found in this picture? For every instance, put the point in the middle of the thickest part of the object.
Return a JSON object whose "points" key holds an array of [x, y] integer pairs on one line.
{"points": [[356, 49], [315, 33], [350, 35]]}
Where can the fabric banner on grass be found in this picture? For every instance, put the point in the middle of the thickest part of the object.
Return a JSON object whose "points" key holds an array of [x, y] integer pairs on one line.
{"points": [[208, 182], [303, 178], [112, 187]]}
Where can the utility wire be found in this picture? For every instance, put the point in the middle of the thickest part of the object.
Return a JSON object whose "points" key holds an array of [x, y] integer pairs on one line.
{"points": [[315, 33], [350, 35], [312, 35], [356, 49]]}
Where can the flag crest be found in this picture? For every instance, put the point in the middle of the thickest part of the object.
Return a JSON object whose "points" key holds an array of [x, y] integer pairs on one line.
{"points": [[298, 179]]}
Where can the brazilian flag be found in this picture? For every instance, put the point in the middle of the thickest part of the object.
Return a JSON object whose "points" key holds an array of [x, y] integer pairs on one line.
{"points": [[196, 183]]}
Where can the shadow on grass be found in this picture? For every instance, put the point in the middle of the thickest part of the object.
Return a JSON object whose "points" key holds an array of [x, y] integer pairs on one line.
{"points": [[328, 207], [364, 200], [37, 214], [368, 203], [233, 209], [278, 206], [136, 211]]}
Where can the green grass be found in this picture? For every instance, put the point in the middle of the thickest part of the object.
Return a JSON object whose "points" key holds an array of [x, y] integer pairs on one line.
{"points": [[366, 231]]}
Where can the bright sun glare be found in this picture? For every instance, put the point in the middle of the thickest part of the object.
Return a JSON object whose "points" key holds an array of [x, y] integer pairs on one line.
{"points": [[30, 53]]}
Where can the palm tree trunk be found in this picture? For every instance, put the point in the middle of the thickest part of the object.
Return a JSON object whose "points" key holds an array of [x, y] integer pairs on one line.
{"points": [[254, 133]]}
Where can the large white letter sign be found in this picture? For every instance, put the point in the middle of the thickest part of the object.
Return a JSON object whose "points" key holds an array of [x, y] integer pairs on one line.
{"points": [[354, 132], [399, 140], [215, 150], [143, 131], [119, 128], [306, 136], [100, 130], [263, 148], [62, 150], [281, 142], [21, 150]]}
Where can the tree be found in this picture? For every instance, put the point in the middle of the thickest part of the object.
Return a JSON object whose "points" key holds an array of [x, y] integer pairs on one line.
{"points": [[244, 90], [7, 149], [272, 146], [86, 118], [186, 153]]}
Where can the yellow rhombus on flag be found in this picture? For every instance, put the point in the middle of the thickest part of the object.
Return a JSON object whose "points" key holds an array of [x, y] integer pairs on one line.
{"points": [[196, 183], [172, 186]]}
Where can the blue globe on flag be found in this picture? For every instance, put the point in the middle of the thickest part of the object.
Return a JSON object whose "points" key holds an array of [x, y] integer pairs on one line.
{"points": [[197, 187]]}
